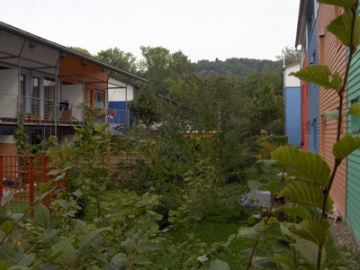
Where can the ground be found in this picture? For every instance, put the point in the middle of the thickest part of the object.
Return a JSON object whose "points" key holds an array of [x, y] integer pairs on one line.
{"points": [[348, 246]]}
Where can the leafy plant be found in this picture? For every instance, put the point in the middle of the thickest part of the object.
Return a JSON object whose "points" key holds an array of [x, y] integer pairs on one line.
{"points": [[306, 177]]}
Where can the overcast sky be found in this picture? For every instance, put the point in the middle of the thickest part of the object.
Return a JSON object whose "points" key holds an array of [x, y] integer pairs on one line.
{"points": [[201, 29]]}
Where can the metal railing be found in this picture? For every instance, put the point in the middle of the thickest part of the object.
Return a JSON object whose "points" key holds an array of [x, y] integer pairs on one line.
{"points": [[39, 110], [36, 110]]}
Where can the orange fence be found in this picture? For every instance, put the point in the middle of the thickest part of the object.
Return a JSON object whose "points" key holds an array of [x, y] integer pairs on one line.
{"points": [[21, 176]]}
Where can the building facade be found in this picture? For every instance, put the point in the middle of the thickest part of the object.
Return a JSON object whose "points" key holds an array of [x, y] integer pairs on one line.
{"points": [[45, 86]]}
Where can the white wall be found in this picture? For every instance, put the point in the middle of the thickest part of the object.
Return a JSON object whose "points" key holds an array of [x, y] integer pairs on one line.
{"points": [[7, 139], [74, 94], [9, 92], [119, 93], [291, 81]]}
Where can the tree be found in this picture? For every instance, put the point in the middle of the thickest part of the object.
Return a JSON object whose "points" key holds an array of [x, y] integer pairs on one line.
{"points": [[264, 110], [118, 58], [289, 56], [145, 106], [81, 50], [162, 68]]}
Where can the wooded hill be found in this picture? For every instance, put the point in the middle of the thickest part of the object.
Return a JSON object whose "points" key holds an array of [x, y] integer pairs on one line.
{"points": [[240, 67]]}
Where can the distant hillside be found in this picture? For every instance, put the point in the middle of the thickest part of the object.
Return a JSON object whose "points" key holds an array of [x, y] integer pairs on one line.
{"points": [[238, 66]]}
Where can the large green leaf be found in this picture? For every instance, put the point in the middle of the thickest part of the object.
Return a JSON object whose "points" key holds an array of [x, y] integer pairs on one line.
{"points": [[339, 3], [6, 226], [345, 146], [128, 244], [305, 193], [294, 211], [341, 27], [67, 251], [355, 109], [27, 259], [219, 265], [320, 75], [284, 261], [309, 250], [91, 237], [308, 165], [314, 229], [42, 216], [142, 260], [118, 262], [49, 236]]}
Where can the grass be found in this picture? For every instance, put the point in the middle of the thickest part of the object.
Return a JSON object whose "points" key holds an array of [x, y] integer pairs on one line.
{"points": [[211, 235]]}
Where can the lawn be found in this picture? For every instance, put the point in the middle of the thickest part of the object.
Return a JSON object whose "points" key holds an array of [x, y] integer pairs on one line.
{"points": [[224, 220]]}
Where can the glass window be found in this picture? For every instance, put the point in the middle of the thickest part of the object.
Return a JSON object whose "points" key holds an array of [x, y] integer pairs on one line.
{"points": [[35, 95], [99, 99], [49, 89]]}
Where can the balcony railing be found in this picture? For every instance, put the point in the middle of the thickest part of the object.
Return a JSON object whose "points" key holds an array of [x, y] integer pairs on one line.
{"points": [[39, 110], [36, 110]]}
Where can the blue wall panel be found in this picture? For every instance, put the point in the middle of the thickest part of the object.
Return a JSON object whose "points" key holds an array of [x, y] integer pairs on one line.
{"points": [[293, 115], [313, 89]]}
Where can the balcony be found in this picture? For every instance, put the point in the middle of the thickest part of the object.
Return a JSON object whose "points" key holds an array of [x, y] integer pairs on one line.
{"points": [[36, 110]]}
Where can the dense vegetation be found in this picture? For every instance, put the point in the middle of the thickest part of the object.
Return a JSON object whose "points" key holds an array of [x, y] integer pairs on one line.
{"points": [[208, 139]]}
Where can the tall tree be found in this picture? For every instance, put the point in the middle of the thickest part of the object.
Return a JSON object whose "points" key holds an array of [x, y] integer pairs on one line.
{"points": [[162, 68], [289, 56], [118, 58]]}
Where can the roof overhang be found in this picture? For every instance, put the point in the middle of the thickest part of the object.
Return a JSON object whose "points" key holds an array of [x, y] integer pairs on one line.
{"points": [[301, 25], [31, 38]]}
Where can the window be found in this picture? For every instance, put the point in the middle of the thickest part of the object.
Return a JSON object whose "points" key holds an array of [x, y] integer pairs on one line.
{"points": [[99, 99], [35, 95]]}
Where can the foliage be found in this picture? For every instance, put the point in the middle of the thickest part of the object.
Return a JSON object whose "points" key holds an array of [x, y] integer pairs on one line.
{"points": [[119, 230], [162, 68], [145, 107], [81, 50], [240, 67], [306, 178], [21, 137], [119, 59], [289, 56], [263, 111]]}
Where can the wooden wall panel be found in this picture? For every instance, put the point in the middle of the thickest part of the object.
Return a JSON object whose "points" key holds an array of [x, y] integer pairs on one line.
{"points": [[332, 54]]}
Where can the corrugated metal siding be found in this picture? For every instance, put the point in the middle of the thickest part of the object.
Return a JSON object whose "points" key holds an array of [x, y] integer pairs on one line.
{"points": [[293, 115], [120, 117], [353, 160], [313, 95], [304, 112], [333, 55]]}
